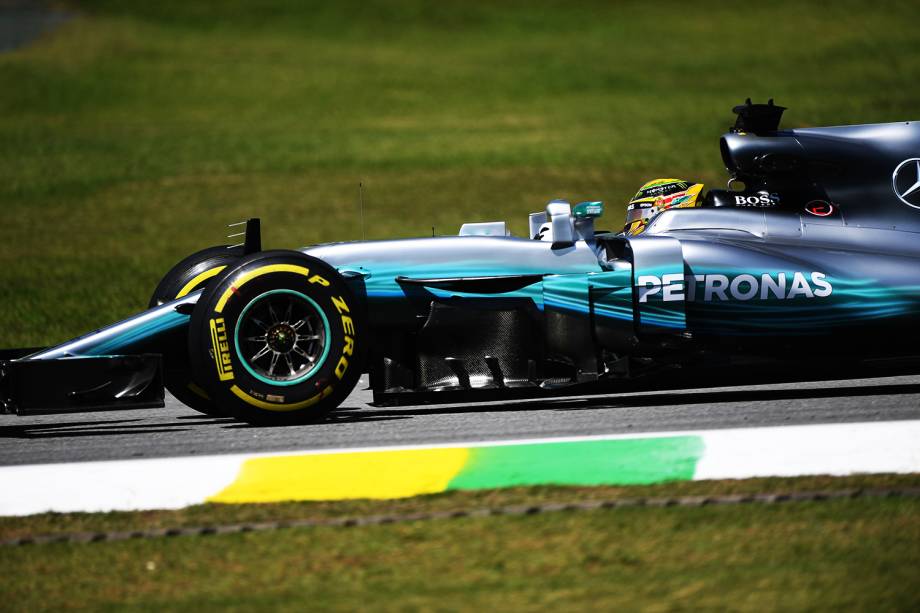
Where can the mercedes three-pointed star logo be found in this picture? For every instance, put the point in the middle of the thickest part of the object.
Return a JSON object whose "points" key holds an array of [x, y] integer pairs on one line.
{"points": [[906, 182]]}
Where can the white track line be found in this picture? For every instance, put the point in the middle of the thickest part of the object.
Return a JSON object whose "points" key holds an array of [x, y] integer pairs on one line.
{"points": [[838, 449]]}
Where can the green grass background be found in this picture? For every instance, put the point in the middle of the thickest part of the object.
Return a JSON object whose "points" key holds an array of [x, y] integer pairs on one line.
{"points": [[843, 555], [130, 136]]}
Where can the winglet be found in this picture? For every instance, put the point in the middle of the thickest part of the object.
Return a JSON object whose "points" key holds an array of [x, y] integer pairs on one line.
{"points": [[253, 241]]}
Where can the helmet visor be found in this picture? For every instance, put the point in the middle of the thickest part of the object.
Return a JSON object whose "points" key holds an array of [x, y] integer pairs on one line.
{"points": [[637, 217], [635, 212]]}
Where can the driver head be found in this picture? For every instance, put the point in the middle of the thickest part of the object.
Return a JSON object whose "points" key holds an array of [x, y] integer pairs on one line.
{"points": [[656, 196]]}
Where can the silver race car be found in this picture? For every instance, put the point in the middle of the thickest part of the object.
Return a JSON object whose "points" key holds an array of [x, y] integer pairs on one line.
{"points": [[807, 266]]}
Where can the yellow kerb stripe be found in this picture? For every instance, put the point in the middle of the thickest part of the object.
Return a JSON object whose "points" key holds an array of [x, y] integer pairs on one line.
{"points": [[278, 406], [258, 272], [211, 272], [376, 474]]}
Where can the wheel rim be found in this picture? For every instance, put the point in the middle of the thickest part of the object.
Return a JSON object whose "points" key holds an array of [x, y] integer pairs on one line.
{"points": [[281, 337]]}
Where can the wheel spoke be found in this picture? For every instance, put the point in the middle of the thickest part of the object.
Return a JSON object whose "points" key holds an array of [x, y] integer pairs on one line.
{"points": [[285, 336], [304, 354], [264, 350]]}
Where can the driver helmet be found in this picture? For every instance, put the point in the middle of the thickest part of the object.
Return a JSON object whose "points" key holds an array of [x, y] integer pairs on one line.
{"points": [[656, 196]]}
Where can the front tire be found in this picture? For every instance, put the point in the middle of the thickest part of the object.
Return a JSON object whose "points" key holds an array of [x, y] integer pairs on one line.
{"points": [[189, 275], [278, 338]]}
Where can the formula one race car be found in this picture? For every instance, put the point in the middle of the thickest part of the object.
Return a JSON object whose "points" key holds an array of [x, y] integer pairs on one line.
{"points": [[812, 270]]}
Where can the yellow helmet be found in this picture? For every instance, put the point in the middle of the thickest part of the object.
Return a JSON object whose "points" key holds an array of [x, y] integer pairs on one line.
{"points": [[656, 196]]}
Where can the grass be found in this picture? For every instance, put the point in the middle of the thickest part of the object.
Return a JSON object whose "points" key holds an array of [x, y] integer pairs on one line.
{"points": [[209, 514], [855, 554], [131, 135]]}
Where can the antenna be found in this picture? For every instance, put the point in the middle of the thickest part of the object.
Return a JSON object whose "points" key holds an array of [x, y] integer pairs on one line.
{"points": [[361, 206]]}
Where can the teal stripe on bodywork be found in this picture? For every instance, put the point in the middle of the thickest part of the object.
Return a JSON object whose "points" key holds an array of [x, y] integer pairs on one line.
{"points": [[568, 292], [167, 321], [852, 300], [655, 312], [381, 281], [612, 294]]}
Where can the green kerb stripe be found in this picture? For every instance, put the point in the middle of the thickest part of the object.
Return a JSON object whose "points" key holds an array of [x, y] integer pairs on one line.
{"points": [[626, 461]]}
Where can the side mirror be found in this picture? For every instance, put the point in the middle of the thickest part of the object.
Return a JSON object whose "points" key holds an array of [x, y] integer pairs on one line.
{"points": [[588, 210], [559, 213], [585, 213]]}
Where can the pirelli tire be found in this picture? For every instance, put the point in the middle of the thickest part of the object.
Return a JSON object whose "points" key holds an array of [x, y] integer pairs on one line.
{"points": [[278, 338], [189, 275]]}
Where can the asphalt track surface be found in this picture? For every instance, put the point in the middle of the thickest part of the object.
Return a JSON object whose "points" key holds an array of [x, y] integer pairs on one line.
{"points": [[178, 431]]}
